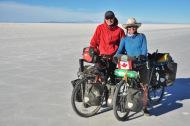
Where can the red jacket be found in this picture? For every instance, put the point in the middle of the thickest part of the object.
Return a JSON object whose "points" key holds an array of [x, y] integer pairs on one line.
{"points": [[106, 39]]}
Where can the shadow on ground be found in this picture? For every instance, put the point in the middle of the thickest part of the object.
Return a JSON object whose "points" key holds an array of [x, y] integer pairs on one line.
{"points": [[173, 98]]}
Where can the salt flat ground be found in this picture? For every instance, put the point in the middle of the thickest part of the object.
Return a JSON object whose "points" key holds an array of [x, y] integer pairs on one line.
{"points": [[38, 61]]}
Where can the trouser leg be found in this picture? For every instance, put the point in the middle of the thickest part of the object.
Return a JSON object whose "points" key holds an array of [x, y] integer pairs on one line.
{"points": [[112, 67], [145, 97]]}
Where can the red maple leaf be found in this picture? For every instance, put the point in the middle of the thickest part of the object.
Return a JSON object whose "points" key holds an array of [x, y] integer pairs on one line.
{"points": [[124, 65]]}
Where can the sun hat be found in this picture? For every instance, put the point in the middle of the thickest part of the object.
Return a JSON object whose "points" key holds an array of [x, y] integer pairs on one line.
{"points": [[131, 22]]}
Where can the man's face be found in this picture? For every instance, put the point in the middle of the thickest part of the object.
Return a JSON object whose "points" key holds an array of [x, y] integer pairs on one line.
{"points": [[132, 29], [109, 21]]}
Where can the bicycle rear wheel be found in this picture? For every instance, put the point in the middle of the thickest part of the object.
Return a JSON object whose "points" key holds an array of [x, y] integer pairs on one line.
{"points": [[155, 94]]}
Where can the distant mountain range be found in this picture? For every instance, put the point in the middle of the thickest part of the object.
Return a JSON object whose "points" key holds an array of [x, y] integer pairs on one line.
{"points": [[87, 21]]}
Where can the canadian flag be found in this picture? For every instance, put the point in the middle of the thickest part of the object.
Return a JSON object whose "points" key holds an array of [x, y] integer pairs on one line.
{"points": [[124, 65]]}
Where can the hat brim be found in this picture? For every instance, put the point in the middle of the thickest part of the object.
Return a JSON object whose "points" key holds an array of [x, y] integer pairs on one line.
{"points": [[129, 25]]}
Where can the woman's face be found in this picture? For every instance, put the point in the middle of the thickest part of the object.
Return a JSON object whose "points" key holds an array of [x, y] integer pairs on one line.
{"points": [[109, 21], [131, 30]]}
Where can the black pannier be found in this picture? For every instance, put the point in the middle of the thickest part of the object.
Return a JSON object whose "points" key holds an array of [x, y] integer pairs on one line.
{"points": [[160, 57], [165, 61], [172, 70]]}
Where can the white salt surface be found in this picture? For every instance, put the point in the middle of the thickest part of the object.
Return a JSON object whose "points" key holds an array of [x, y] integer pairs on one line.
{"points": [[38, 61]]}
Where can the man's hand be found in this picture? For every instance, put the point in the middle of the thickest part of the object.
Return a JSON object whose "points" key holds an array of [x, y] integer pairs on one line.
{"points": [[143, 58], [115, 59]]}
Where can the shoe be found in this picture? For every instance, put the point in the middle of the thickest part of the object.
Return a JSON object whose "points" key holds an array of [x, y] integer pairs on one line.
{"points": [[146, 112]]}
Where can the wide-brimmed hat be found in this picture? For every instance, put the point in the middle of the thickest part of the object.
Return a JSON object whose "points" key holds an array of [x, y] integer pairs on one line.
{"points": [[131, 22]]}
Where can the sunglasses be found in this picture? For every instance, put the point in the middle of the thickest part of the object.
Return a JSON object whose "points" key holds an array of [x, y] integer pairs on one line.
{"points": [[132, 27], [107, 18]]}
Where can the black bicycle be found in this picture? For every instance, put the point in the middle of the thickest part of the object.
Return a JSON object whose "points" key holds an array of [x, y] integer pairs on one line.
{"points": [[162, 74], [128, 96], [92, 89]]}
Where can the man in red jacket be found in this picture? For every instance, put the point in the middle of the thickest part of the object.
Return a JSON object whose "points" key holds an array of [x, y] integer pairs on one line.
{"points": [[106, 39], [107, 36]]}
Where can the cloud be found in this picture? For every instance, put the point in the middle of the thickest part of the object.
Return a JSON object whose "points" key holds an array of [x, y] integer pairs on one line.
{"points": [[16, 12]]}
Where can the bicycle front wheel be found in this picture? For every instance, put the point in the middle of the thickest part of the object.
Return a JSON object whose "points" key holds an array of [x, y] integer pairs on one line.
{"points": [[77, 100]]}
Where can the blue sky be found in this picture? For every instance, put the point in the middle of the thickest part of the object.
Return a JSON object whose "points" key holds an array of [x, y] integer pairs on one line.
{"points": [[155, 11]]}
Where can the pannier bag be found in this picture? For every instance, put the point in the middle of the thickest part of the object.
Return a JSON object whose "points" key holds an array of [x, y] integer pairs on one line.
{"points": [[163, 57], [170, 65], [160, 57], [89, 55], [165, 61], [171, 73], [79, 93], [93, 94], [134, 100]]}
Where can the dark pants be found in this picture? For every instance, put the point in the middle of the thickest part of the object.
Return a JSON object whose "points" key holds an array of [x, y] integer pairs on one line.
{"points": [[106, 70], [144, 77], [111, 68], [144, 73]]}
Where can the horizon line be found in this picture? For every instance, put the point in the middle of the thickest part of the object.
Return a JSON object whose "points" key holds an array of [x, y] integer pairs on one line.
{"points": [[93, 22]]}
